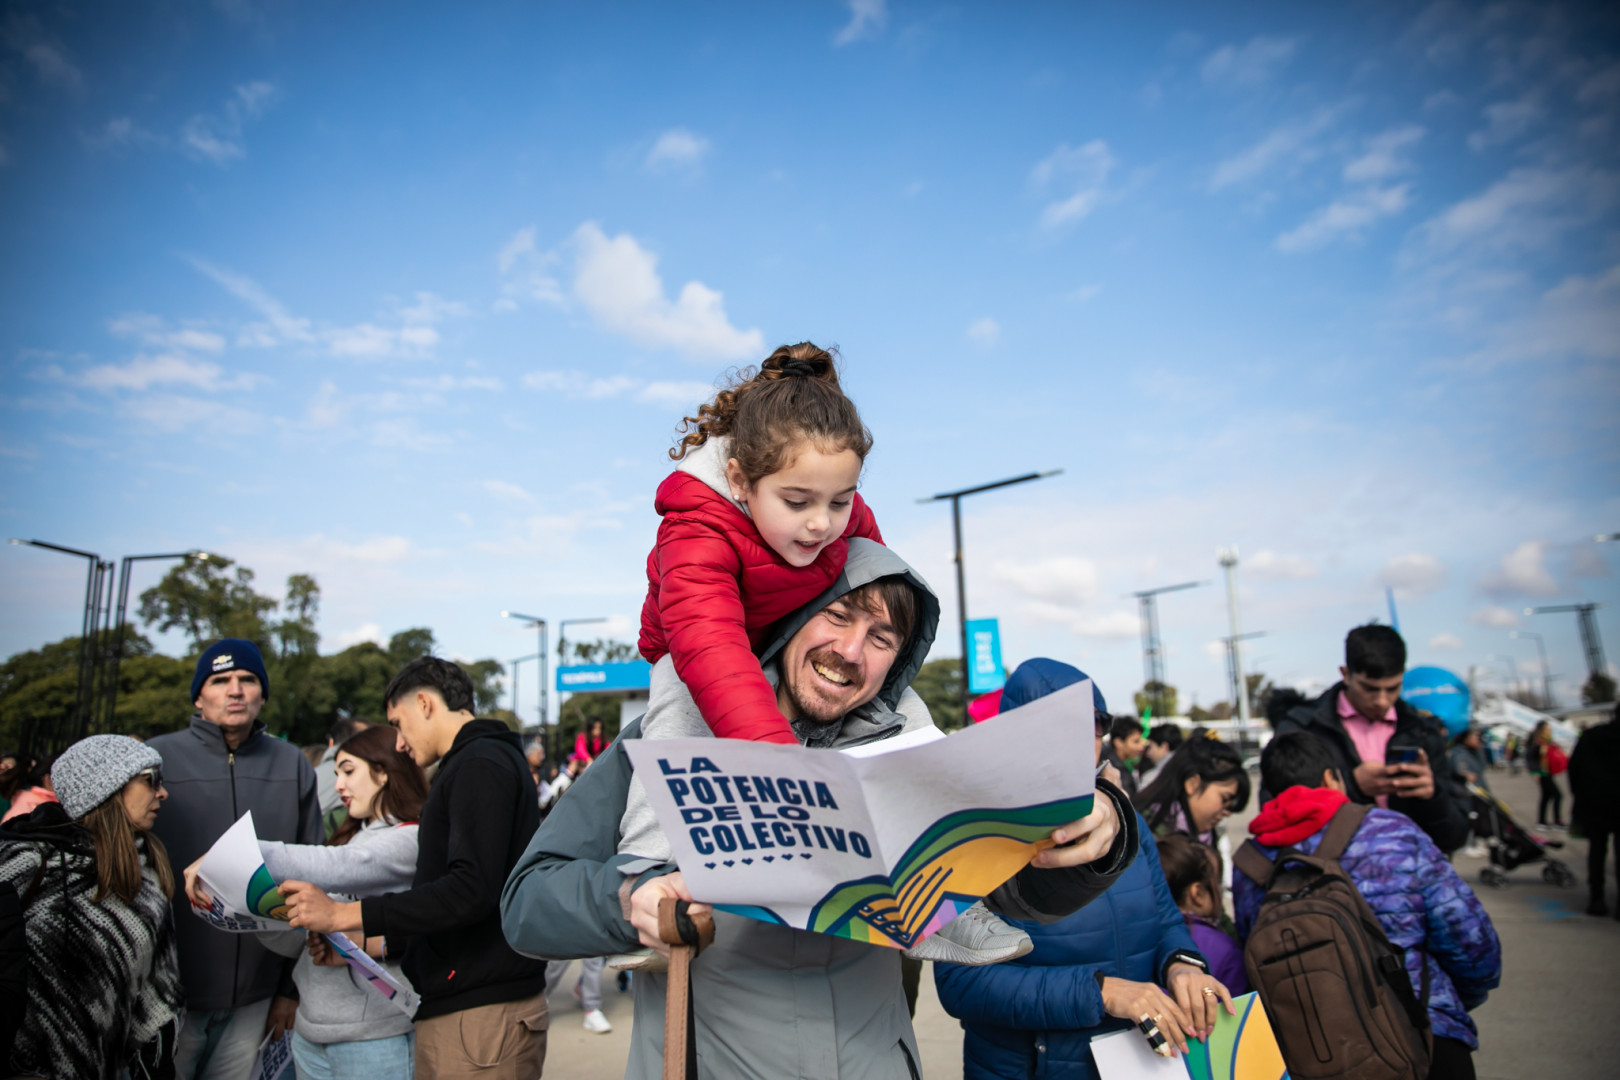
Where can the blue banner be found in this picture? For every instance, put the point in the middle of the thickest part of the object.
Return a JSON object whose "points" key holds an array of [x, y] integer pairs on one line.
{"points": [[604, 678], [985, 673]]}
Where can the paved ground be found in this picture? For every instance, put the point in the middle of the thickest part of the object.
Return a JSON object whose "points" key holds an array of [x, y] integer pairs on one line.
{"points": [[1554, 1017]]}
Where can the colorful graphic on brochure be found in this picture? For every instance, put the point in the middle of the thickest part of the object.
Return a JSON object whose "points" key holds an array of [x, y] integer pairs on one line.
{"points": [[398, 994], [245, 897], [1242, 1047], [884, 843]]}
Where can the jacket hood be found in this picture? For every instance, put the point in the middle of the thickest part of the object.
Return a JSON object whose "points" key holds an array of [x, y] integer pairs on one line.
{"points": [[48, 823], [1034, 679], [868, 561], [485, 729], [1296, 814], [708, 464]]}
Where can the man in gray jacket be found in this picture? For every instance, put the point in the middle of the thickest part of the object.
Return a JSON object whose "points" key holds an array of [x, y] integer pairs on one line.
{"points": [[216, 770], [770, 1000]]}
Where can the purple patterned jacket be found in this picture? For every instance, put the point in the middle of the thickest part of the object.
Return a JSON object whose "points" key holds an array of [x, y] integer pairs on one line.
{"points": [[1425, 908]]}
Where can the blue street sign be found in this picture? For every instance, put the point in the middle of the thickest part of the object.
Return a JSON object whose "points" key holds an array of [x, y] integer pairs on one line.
{"points": [[604, 678], [985, 673]]}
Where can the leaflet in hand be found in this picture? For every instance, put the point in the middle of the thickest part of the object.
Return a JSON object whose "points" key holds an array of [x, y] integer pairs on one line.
{"points": [[885, 843], [244, 897], [398, 994], [1241, 1047]]}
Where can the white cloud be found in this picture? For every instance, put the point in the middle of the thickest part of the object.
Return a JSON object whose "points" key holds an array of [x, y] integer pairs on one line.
{"points": [[1066, 580], [1495, 617], [378, 550], [154, 331], [145, 371], [1413, 574], [1445, 641], [507, 492], [53, 67], [676, 149], [1113, 625], [285, 326], [1289, 142], [1269, 564], [866, 19], [122, 131], [1580, 316], [197, 416], [1383, 156], [1345, 215], [443, 384], [985, 332], [522, 243], [616, 279], [1085, 294], [1083, 169], [679, 393], [370, 631], [326, 409], [1522, 572], [1249, 64], [217, 137], [1526, 208], [1505, 121]]}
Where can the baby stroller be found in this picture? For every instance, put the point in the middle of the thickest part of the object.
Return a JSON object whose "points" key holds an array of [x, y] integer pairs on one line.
{"points": [[1510, 845]]}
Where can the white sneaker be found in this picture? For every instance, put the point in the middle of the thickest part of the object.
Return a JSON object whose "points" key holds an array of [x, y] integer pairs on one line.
{"points": [[596, 1023], [974, 937]]}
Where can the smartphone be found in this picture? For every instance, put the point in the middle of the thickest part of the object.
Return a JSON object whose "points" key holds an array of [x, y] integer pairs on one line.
{"points": [[1402, 755]]}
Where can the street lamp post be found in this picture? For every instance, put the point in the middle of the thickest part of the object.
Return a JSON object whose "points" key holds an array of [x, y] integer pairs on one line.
{"points": [[83, 702], [562, 635], [540, 629], [1546, 675], [1591, 640], [116, 650], [515, 663], [956, 498]]}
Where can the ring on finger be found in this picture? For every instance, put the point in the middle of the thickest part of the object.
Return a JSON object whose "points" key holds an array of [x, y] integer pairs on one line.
{"points": [[1209, 991]]}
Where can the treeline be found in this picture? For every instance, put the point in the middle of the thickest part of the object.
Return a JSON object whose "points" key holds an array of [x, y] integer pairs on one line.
{"points": [[211, 600]]}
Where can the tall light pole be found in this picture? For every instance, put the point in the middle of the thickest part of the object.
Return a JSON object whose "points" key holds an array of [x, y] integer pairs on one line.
{"points": [[1591, 642], [515, 663], [1152, 648], [1513, 668], [956, 498], [562, 635], [1546, 673], [1228, 558], [116, 650], [540, 628], [95, 585]]}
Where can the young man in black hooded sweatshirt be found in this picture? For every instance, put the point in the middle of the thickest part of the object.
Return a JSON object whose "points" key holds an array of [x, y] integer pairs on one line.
{"points": [[483, 1007]]}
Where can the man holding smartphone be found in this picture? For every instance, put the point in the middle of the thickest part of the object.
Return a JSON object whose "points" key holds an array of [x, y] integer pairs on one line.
{"points": [[1386, 750]]}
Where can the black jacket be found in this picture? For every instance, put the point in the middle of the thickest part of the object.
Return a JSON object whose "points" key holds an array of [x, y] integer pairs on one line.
{"points": [[478, 818], [1594, 768], [1441, 816], [211, 786]]}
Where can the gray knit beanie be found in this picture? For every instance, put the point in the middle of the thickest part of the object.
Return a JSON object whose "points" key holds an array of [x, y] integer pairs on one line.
{"points": [[92, 770]]}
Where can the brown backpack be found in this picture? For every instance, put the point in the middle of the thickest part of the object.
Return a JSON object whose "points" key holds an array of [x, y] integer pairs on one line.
{"points": [[1334, 987]]}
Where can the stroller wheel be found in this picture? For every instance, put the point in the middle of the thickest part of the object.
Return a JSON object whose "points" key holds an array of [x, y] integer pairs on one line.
{"points": [[1493, 877], [1556, 873]]}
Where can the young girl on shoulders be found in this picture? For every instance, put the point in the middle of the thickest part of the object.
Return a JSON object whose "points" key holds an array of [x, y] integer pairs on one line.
{"points": [[756, 524]]}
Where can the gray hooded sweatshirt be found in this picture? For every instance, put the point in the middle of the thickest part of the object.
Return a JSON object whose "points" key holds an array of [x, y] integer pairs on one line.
{"points": [[768, 1000]]}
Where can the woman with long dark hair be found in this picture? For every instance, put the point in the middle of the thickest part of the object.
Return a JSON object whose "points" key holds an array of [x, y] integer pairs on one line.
{"points": [[1195, 791], [345, 1030], [94, 885]]}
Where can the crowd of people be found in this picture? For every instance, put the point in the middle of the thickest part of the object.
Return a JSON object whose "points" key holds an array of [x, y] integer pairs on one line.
{"points": [[474, 870]]}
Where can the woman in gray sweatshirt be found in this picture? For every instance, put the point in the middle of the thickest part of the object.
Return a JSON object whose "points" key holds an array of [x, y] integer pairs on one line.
{"points": [[345, 1029]]}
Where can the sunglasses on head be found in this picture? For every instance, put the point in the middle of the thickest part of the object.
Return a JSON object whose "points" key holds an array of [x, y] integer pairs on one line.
{"points": [[152, 775]]}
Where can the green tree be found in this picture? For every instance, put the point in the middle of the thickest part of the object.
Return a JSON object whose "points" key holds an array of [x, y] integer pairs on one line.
{"points": [[1199, 715], [1260, 689], [939, 684], [1598, 690], [577, 714], [408, 645], [600, 651], [1158, 696], [207, 600]]}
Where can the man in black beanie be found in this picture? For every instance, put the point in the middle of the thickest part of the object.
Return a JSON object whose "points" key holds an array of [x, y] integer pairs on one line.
{"points": [[216, 770]]}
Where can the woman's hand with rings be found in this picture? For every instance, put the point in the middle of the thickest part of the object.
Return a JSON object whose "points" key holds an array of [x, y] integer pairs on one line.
{"points": [[1200, 995], [1132, 1000]]}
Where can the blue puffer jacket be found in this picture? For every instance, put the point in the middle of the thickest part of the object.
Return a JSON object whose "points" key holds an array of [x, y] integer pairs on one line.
{"points": [[1424, 908], [1035, 1016]]}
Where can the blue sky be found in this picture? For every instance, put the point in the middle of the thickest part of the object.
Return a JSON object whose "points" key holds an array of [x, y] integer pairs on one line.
{"points": [[411, 297]]}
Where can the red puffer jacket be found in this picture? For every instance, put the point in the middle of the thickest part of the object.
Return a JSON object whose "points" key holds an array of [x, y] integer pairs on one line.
{"points": [[713, 588]]}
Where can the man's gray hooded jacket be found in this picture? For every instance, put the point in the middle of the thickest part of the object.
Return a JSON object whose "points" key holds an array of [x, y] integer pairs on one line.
{"points": [[210, 786], [768, 1000]]}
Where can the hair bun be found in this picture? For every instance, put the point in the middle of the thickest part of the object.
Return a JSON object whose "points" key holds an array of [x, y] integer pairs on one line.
{"points": [[794, 368]]}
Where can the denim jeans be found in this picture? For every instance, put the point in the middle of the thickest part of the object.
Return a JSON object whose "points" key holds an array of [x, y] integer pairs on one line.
{"points": [[374, 1059], [221, 1044]]}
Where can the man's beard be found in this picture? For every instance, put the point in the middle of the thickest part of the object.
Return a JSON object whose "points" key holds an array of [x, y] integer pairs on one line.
{"points": [[810, 705]]}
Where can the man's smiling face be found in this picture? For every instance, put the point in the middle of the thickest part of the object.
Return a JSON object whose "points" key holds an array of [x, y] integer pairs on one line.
{"points": [[838, 661]]}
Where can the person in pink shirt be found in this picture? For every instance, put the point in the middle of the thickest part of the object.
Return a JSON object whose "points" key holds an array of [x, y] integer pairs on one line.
{"points": [[1386, 749]]}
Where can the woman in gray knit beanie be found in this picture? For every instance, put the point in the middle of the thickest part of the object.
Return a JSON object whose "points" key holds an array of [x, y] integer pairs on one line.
{"points": [[95, 885]]}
